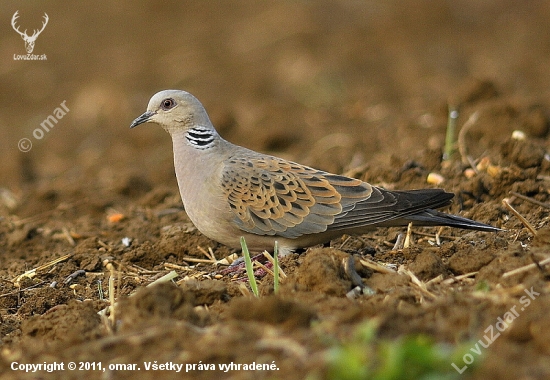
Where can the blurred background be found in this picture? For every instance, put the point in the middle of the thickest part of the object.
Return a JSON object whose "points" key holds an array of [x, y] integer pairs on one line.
{"points": [[333, 84]]}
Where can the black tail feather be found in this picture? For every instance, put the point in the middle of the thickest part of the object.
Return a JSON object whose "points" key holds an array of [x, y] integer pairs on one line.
{"points": [[436, 218]]}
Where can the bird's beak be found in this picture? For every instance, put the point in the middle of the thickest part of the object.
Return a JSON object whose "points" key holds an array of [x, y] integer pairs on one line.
{"points": [[143, 119]]}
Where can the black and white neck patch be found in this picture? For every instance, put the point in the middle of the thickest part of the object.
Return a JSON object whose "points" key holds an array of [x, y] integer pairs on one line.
{"points": [[201, 137]]}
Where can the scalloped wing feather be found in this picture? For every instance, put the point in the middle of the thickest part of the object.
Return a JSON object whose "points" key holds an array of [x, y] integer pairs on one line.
{"points": [[271, 196]]}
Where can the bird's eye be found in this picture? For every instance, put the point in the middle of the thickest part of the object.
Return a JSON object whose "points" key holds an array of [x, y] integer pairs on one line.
{"points": [[166, 104]]}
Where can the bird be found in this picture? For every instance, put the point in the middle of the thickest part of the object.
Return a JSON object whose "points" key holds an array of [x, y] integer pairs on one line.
{"points": [[229, 191]]}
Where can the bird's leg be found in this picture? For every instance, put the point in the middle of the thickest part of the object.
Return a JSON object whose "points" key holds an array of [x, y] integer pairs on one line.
{"points": [[238, 266]]}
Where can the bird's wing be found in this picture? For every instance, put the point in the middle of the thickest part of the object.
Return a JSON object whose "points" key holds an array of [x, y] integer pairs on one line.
{"points": [[272, 196]]}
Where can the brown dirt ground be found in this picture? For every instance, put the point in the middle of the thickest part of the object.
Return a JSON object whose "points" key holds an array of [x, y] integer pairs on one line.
{"points": [[361, 88]]}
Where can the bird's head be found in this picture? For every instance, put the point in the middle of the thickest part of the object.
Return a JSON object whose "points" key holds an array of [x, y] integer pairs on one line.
{"points": [[175, 111]]}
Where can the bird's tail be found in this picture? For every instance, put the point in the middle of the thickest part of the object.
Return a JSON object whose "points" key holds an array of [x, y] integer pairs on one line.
{"points": [[436, 218]]}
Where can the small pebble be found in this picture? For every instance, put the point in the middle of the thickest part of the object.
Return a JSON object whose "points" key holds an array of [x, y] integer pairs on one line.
{"points": [[494, 170], [469, 173], [435, 179], [483, 164], [518, 135], [115, 218]]}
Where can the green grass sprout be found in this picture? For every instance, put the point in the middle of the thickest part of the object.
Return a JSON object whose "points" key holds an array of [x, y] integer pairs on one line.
{"points": [[450, 133], [276, 267], [409, 357], [249, 268]]}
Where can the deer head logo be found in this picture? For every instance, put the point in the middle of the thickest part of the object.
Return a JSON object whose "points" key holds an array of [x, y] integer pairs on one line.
{"points": [[29, 40]]}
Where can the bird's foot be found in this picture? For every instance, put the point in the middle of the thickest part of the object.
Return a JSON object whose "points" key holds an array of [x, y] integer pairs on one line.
{"points": [[237, 268]]}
